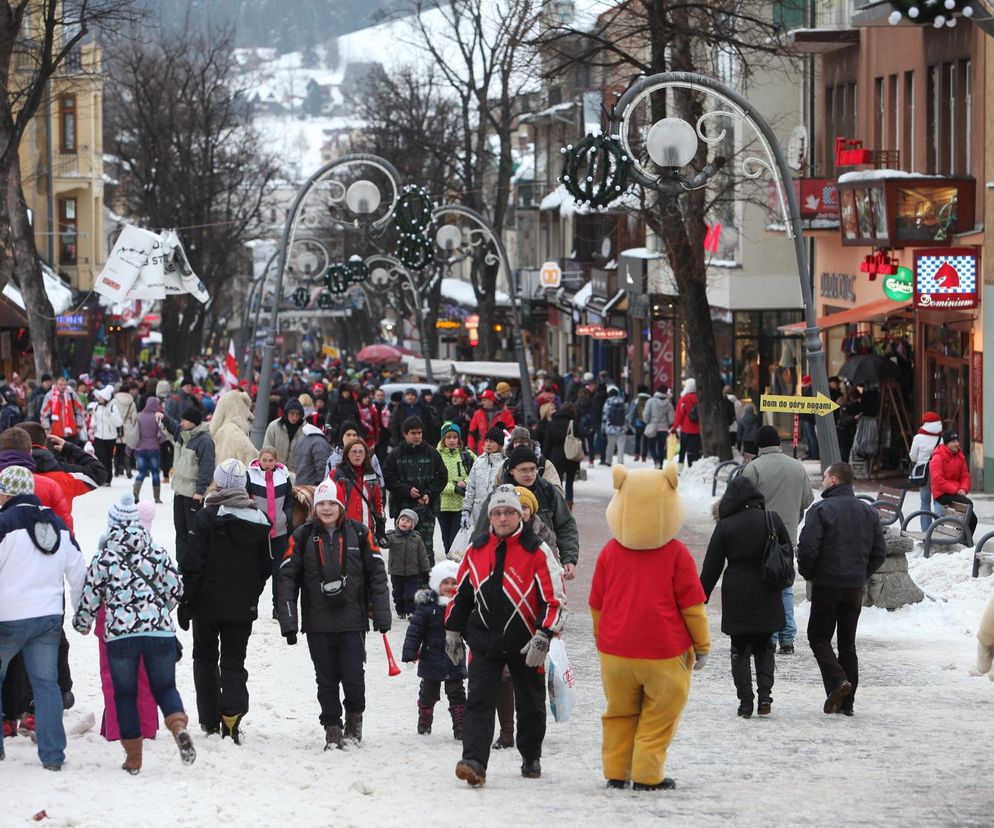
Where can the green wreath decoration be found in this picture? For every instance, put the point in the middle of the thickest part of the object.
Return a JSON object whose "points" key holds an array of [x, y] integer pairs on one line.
{"points": [[596, 170], [356, 270], [413, 218], [325, 300], [936, 13], [301, 297], [336, 278]]}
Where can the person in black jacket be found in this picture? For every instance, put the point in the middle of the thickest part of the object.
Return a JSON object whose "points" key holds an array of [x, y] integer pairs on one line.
{"points": [[425, 644], [338, 569], [415, 475], [225, 567], [554, 447], [751, 609], [345, 409], [841, 546]]}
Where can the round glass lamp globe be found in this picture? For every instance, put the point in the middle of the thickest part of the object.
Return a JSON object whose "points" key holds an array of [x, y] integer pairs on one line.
{"points": [[363, 197], [672, 142], [449, 237]]}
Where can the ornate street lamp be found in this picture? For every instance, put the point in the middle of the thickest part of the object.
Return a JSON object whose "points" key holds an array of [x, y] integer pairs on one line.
{"points": [[323, 201], [671, 145]]}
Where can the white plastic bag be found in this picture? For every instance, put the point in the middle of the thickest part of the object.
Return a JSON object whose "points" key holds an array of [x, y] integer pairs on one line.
{"points": [[460, 543], [562, 682]]}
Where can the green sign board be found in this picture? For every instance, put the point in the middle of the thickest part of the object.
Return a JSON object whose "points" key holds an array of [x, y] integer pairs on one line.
{"points": [[901, 286]]}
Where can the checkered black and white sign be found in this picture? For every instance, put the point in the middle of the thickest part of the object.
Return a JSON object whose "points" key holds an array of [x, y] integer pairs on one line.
{"points": [[946, 278]]}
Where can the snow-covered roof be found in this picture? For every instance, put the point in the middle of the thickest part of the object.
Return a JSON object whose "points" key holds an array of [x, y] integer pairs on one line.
{"points": [[582, 296], [58, 294], [879, 175], [460, 292], [554, 200]]}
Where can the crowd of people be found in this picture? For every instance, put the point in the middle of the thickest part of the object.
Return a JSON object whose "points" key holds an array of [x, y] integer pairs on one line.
{"points": [[308, 516]]}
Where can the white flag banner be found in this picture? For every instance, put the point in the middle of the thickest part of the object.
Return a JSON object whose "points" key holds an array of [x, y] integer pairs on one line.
{"points": [[125, 262], [179, 276], [151, 279]]}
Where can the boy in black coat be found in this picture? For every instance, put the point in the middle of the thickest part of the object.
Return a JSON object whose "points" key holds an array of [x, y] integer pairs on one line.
{"points": [[335, 566], [425, 643], [225, 568]]}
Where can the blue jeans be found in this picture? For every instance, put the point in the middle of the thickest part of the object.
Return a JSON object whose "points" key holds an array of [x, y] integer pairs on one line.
{"points": [[925, 494], [148, 461], [123, 657], [37, 639], [789, 632], [810, 439]]}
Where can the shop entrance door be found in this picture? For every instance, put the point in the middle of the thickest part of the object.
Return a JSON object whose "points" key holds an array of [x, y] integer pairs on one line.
{"points": [[947, 392]]}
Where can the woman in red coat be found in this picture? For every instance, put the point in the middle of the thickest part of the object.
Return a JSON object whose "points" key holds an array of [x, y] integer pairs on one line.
{"points": [[687, 422], [949, 474], [358, 486]]}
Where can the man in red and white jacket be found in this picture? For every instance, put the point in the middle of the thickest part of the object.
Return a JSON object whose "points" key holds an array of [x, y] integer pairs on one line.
{"points": [[508, 604]]}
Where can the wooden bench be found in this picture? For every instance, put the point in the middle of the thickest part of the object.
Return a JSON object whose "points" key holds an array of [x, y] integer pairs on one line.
{"points": [[950, 527], [889, 502], [983, 558]]}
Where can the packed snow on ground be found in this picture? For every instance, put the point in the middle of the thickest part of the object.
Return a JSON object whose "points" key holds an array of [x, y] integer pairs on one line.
{"points": [[913, 755]]}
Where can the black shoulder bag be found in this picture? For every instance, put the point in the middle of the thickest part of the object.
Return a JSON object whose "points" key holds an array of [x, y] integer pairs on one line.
{"points": [[379, 522], [778, 558]]}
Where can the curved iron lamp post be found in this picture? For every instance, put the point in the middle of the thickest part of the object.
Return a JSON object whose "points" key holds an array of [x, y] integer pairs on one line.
{"points": [[672, 143], [349, 208], [942, 13], [459, 244]]}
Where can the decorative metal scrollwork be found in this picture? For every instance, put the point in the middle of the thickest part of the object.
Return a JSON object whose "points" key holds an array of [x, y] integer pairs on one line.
{"points": [[413, 218], [301, 297]]}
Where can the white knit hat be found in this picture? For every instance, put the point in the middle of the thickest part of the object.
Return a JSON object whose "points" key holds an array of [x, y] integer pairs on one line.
{"points": [[123, 511], [327, 491], [505, 497], [16, 480], [230, 475]]}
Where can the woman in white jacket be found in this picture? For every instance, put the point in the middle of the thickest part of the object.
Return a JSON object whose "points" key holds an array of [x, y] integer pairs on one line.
{"points": [[482, 476], [104, 425], [925, 442]]}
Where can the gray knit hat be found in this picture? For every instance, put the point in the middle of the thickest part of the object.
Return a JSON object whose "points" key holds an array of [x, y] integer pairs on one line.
{"points": [[16, 480], [504, 497], [230, 475], [411, 515], [123, 511]]}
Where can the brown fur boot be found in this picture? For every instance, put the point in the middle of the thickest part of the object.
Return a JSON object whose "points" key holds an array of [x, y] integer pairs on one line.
{"points": [[176, 724], [133, 755]]}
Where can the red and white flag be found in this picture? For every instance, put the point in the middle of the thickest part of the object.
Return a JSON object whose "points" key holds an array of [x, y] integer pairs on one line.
{"points": [[230, 368]]}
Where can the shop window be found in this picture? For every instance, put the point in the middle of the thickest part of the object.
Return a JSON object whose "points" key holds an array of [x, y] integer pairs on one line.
{"points": [[908, 122], [67, 231], [893, 115], [67, 123], [878, 113]]}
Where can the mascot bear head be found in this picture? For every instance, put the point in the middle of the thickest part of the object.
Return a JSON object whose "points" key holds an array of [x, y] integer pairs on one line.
{"points": [[233, 407], [646, 512]]}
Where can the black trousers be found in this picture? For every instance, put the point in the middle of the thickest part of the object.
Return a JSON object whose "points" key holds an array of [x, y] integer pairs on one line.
{"points": [[946, 499], [431, 692], [833, 607], [104, 449], [339, 662], [17, 695], [184, 508], [759, 648], [166, 452], [219, 673], [449, 523], [481, 705], [122, 463]]}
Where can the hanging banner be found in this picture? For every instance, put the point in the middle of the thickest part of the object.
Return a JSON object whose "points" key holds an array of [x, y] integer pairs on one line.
{"points": [[125, 262], [663, 341], [946, 278]]}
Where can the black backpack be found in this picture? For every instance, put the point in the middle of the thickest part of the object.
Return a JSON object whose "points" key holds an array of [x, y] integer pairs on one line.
{"points": [[692, 414]]}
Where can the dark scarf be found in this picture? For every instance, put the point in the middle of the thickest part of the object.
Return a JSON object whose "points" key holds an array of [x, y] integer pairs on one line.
{"points": [[13, 457]]}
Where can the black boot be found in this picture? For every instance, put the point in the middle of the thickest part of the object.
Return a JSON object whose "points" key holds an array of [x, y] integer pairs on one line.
{"points": [[458, 712], [353, 727], [156, 490], [332, 737], [765, 666], [742, 676], [425, 716]]}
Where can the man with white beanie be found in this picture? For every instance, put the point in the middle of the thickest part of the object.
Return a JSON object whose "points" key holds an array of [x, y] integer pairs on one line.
{"points": [[225, 568], [38, 555], [105, 423], [509, 602]]}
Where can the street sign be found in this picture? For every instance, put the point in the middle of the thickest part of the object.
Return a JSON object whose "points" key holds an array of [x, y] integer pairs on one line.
{"points": [[550, 275], [587, 330], [610, 333], [819, 404]]}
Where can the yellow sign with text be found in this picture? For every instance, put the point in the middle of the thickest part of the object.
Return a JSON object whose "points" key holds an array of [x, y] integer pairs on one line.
{"points": [[819, 404]]}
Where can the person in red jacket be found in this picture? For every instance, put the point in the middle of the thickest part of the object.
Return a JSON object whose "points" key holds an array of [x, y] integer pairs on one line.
{"points": [[487, 415], [949, 475], [358, 486], [15, 450], [687, 421]]}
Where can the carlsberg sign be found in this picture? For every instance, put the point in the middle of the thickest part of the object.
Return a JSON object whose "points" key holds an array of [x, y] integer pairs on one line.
{"points": [[900, 287]]}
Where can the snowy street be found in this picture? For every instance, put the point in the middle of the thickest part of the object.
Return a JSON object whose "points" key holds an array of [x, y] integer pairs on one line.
{"points": [[912, 755]]}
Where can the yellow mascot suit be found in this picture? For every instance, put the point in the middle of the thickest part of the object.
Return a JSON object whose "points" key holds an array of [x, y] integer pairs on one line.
{"points": [[650, 624]]}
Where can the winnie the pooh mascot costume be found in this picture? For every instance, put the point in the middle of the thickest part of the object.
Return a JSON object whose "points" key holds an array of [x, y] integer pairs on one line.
{"points": [[650, 624], [230, 427]]}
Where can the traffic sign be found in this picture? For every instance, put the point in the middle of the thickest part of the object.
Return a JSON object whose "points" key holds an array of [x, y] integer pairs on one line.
{"points": [[819, 404], [550, 275]]}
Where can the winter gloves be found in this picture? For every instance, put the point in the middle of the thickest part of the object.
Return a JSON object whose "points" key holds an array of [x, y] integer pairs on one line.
{"points": [[454, 647], [702, 659], [291, 638], [536, 650], [183, 615], [464, 521]]}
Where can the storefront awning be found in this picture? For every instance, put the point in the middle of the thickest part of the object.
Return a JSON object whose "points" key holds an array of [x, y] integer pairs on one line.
{"points": [[606, 306], [870, 312]]}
